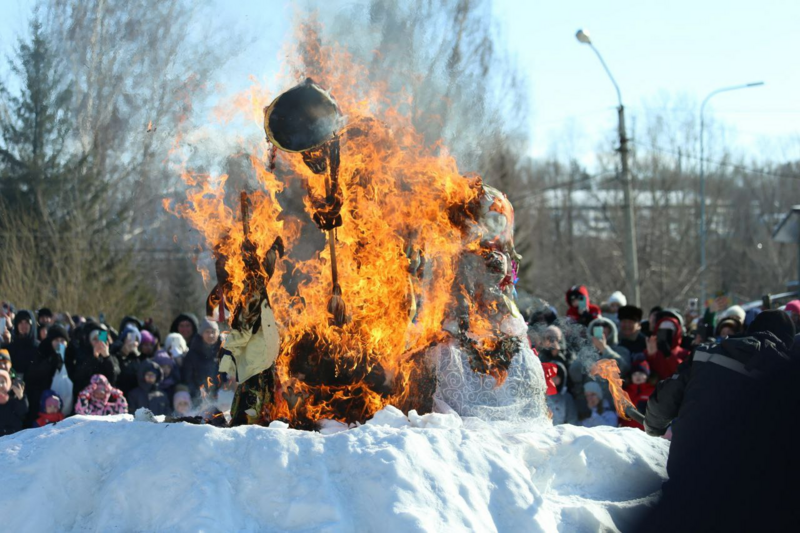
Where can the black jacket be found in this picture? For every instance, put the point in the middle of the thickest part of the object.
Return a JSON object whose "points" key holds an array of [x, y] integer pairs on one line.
{"points": [[39, 377], [23, 348], [200, 364], [148, 396], [128, 378], [733, 463], [12, 415], [635, 346]]}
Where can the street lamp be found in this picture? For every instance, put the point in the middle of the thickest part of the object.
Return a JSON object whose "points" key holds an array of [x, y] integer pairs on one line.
{"points": [[703, 180], [631, 259]]}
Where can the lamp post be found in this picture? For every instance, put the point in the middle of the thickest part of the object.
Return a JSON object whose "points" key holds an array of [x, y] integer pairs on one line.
{"points": [[631, 259], [703, 181]]}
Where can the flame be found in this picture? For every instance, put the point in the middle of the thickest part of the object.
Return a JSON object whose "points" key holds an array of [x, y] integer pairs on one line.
{"points": [[608, 370], [403, 233]]}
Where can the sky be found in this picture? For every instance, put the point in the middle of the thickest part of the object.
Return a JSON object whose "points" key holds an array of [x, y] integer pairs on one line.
{"points": [[674, 52]]}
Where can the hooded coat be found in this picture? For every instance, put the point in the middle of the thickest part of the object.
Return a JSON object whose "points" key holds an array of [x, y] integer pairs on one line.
{"points": [[23, 348], [665, 362], [128, 364], [47, 362], [85, 365], [44, 418], [191, 318], [146, 395], [592, 311], [167, 384], [614, 350], [113, 403]]}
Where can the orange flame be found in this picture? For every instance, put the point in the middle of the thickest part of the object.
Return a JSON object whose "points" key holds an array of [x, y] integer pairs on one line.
{"points": [[397, 249], [608, 370]]}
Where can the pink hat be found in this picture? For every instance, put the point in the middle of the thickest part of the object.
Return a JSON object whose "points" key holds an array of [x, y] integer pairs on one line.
{"points": [[793, 307], [147, 337]]}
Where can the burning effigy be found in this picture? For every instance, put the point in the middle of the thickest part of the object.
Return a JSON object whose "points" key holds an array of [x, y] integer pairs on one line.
{"points": [[409, 303]]}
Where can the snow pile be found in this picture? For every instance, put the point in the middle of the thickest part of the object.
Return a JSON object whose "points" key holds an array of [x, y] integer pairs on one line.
{"points": [[435, 472]]}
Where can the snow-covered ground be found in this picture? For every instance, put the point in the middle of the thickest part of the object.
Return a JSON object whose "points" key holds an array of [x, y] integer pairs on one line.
{"points": [[431, 473]]}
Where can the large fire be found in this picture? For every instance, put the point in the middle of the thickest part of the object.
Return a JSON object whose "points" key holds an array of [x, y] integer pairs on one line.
{"points": [[406, 226]]}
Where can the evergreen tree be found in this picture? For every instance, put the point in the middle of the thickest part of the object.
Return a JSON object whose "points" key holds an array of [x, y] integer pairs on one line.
{"points": [[34, 127]]}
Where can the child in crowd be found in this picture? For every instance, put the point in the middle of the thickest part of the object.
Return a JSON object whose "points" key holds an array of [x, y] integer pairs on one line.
{"points": [[639, 391], [169, 371], [49, 409], [147, 394], [176, 346], [601, 412], [182, 401], [101, 399]]}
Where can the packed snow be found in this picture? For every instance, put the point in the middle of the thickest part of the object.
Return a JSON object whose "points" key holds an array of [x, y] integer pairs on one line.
{"points": [[435, 472]]}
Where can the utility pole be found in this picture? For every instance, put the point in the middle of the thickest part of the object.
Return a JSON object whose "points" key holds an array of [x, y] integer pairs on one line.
{"points": [[631, 258]]}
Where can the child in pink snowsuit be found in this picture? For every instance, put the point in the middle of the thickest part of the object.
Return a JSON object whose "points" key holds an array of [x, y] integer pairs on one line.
{"points": [[101, 399]]}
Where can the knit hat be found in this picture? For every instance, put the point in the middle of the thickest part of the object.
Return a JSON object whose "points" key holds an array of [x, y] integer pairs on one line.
{"points": [[734, 311], [175, 342], [776, 322], [44, 311], [4, 355], [630, 312], [57, 331], [147, 337], [181, 395], [618, 298], [130, 330], [208, 324], [793, 307], [594, 387], [641, 366], [49, 397]]}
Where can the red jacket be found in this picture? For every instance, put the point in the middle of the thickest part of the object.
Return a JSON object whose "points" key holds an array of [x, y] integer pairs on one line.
{"points": [[639, 395], [592, 311], [45, 419], [664, 365]]}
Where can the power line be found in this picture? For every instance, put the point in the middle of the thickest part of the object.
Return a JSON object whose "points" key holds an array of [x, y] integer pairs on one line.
{"points": [[741, 168]]}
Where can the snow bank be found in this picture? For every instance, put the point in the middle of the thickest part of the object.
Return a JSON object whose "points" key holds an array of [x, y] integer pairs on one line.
{"points": [[432, 473]]}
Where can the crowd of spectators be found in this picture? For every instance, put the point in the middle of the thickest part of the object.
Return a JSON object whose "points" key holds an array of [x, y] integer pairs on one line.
{"points": [[647, 348], [54, 365]]}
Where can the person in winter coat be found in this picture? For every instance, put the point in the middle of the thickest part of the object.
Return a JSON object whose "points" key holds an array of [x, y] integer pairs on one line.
{"points": [[664, 352], [5, 362], [147, 394], [170, 373], [49, 409], [24, 343], [187, 325], [175, 345], [551, 346], [47, 362], [605, 340], [601, 413], [581, 309], [728, 327], [98, 360], [201, 363], [562, 404], [615, 302], [639, 390], [182, 401], [630, 330], [99, 398], [709, 404], [126, 348], [148, 345], [13, 405]]}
